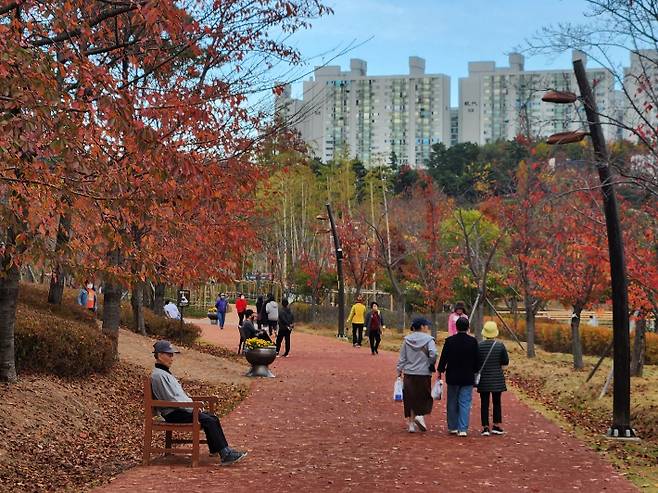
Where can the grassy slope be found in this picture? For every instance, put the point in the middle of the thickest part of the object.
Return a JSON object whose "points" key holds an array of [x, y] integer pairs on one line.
{"points": [[549, 384]]}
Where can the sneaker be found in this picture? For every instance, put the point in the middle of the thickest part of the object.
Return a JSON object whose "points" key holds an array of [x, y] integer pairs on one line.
{"points": [[412, 428], [420, 421], [453, 432], [485, 431], [462, 434], [497, 430], [353, 345], [233, 457], [358, 345]]}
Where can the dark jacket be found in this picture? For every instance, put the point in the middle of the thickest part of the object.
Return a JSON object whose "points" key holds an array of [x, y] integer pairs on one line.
{"points": [[248, 329], [369, 317], [492, 378], [459, 359], [286, 318]]}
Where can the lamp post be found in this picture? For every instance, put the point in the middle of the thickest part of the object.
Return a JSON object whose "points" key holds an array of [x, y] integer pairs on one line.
{"points": [[621, 401], [339, 270]]}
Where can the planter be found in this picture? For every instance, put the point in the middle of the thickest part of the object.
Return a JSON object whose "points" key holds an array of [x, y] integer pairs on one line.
{"points": [[259, 359], [212, 316]]}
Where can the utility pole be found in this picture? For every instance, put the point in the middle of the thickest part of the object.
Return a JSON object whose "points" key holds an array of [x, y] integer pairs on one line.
{"points": [[339, 271]]}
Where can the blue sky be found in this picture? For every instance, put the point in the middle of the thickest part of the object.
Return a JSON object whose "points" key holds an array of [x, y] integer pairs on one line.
{"points": [[447, 33]]}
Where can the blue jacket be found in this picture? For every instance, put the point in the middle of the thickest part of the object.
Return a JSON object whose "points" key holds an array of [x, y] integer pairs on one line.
{"points": [[221, 305], [82, 297]]}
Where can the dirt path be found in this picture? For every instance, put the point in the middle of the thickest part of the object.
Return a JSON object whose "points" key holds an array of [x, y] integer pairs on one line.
{"points": [[189, 364], [327, 423]]}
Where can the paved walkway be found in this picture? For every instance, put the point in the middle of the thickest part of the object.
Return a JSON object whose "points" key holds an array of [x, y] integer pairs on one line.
{"points": [[327, 423]]}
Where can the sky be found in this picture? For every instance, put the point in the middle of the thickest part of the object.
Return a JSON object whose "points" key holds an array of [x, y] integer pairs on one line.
{"points": [[446, 33]]}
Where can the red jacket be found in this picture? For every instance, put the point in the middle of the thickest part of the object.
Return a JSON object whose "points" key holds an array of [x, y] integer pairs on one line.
{"points": [[240, 305]]}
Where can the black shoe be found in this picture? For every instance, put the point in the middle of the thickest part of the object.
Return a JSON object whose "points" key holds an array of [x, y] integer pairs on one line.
{"points": [[233, 457], [497, 430], [485, 431]]}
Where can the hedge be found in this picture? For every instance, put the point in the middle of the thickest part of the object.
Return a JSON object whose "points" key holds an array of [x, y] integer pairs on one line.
{"points": [[63, 340], [162, 327], [555, 337]]}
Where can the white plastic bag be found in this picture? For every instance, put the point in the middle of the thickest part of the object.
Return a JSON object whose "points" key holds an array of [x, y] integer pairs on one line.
{"points": [[437, 390], [397, 389]]}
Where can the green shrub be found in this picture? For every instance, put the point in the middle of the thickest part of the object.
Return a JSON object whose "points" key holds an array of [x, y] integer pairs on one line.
{"points": [[162, 327], [555, 337], [47, 343]]}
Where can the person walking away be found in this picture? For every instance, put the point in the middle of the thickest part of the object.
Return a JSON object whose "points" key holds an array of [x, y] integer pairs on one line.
{"points": [[260, 310], [374, 327], [459, 361], [492, 357], [221, 304], [166, 387], [272, 314], [416, 363], [241, 307], [171, 310], [357, 318], [92, 298], [459, 311], [286, 321], [82, 295]]}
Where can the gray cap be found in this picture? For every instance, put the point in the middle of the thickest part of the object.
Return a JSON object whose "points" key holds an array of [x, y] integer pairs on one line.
{"points": [[164, 347]]}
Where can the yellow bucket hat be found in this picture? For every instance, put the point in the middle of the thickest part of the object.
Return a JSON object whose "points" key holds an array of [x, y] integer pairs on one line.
{"points": [[490, 330]]}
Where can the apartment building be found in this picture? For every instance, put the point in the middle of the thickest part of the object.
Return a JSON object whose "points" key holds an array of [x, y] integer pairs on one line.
{"points": [[502, 102], [371, 117], [640, 95]]}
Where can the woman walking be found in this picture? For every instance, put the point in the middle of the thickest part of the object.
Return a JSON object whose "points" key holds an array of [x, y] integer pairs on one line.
{"points": [[260, 309], [417, 360], [357, 317], [241, 307], [492, 357], [374, 326], [458, 312]]}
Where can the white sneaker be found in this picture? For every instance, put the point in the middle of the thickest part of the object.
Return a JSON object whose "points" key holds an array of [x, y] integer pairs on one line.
{"points": [[420, 421], [412, 428], [462, 434], [453, 432]]}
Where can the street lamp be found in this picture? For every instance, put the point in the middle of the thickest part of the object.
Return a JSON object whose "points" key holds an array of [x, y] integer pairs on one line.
{"points": [[621, 400], [339, 270]]}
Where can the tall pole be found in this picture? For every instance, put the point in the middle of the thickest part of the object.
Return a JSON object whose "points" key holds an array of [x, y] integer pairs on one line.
{"points": [[339, 270], [621, 400]]}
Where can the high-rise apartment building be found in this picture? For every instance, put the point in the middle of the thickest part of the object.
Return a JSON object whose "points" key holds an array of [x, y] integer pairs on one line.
{"points": [[640, 95], [502, 102], [371, 117]]}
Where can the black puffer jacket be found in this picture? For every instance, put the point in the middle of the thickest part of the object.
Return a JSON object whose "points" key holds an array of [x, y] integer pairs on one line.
{"points": [[492, 378]]}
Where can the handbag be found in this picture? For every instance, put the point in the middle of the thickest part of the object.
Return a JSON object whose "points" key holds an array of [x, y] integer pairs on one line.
{"points": [[437, 390], [478, 374]]}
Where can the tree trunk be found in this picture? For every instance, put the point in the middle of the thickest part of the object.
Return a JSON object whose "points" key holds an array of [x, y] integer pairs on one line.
{"points": [[158, 299], [112, 306], [639, 346], [529, 326], [137, 302], [8, 297], [58, 277], [576, 345]]}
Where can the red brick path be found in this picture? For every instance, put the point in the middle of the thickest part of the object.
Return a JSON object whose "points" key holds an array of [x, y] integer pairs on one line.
{"points": [[327, 423]]}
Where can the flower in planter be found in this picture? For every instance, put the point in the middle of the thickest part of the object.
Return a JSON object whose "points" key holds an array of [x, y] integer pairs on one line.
{"points": [[256, 343], [212, 310]]}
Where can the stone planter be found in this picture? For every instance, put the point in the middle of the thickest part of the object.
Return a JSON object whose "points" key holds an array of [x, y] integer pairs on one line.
{"points": [[213, 318], [259, 359]]}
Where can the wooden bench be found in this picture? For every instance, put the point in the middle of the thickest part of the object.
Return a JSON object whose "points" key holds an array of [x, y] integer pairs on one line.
{"points": [[152, 424]]}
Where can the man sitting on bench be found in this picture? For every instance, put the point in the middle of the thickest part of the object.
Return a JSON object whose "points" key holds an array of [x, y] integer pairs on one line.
{"points": [[166, 387]]}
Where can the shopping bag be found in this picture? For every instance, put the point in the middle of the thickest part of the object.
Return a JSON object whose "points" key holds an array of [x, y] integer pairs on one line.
{"points": [[397, 390], [437, 390]]}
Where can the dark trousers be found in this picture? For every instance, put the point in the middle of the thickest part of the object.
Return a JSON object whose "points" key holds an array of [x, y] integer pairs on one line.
{"points": [[375, 338], [210, 424], [241, 318], [283, 334], [357, 334], [484, 407], [272, 325]]}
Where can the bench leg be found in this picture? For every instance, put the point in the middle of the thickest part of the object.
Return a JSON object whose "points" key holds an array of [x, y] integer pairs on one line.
{"points": [[168, 441], [147, 445]]}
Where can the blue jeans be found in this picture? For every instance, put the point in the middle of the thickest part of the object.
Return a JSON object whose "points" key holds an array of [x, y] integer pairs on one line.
{"points": [[221, 316], [459, 406]]}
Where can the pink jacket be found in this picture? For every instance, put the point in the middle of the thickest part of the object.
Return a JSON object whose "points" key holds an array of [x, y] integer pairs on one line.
{"points": [[452, 323]]}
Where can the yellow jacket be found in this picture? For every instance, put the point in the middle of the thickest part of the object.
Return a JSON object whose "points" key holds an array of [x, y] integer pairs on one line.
{"points": [[357, 313]]}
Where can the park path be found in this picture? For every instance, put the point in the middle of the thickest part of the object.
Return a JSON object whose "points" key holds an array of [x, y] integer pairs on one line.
{"points": [[327, 423]]}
